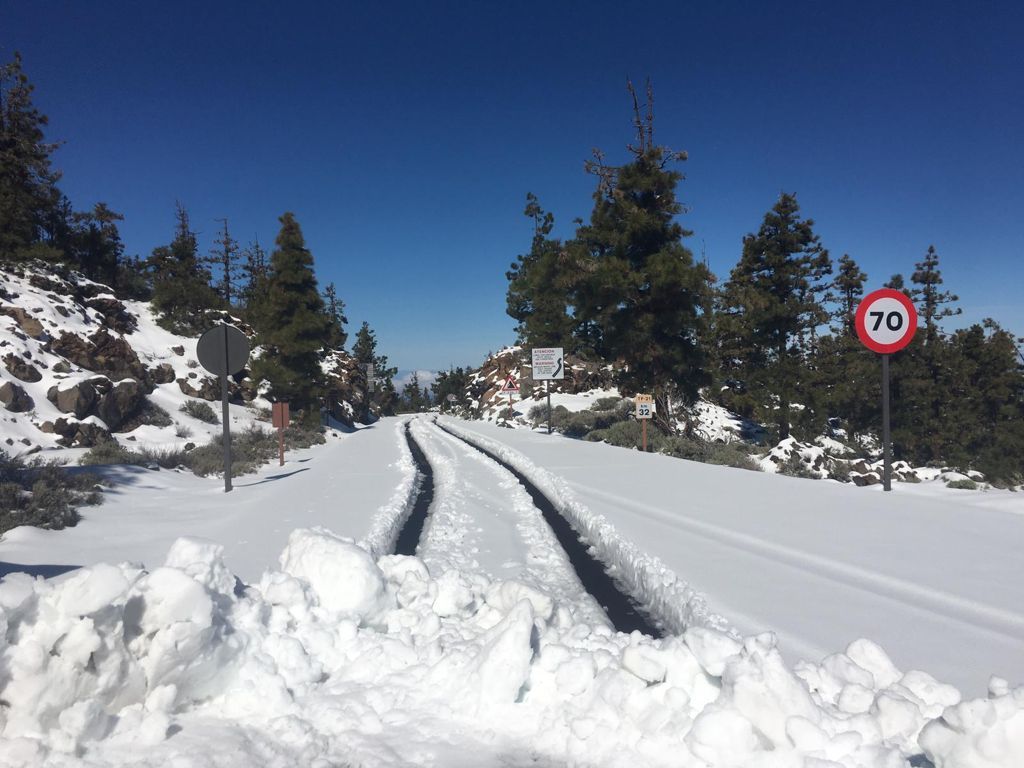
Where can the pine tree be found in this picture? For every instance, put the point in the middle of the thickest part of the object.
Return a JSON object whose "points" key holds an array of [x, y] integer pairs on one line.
{"points": [[537, 287], [29, 198], [454, 381], [847, 291], [293, 336], [96, 243], [637, 293], [254, 293], [932, 300], [412, 395], [335, 308], [224, 260], [181, 284], [382, 396], [772, 307]]}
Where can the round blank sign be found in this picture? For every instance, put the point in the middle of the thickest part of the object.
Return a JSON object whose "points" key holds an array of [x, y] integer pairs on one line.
{"points": [[223, 350]]}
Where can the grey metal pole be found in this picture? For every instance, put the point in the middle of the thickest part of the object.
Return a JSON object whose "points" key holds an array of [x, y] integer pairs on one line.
{"points": [[226, 440], [547, 390], [886, 445]]}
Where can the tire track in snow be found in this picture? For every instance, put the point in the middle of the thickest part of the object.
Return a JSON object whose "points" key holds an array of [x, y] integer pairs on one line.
{"points": [[591, 572], [483, 521]]}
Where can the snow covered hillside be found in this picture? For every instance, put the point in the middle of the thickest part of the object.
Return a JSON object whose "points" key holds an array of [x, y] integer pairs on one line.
{"points": [[486, 648], [81, 365]]}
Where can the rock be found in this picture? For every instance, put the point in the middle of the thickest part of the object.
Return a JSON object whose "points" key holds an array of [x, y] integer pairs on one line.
{"points": [[189, 446], [61, 366], [208, 389], [79, 399], [120, 403], [163, 373], [102, 353], [21, 369], [47, 427], [28, 324], [14, 398], [178, 350], [115, 314], [869, 478], [78, 433]]}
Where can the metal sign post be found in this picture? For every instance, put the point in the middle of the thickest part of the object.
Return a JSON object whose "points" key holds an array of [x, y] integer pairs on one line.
{"points": [[223, 351], [644, 413], [886, 321], [548, 365]]}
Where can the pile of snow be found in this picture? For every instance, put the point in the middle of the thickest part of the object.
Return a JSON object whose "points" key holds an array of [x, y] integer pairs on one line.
{"points": [[335, 659]]}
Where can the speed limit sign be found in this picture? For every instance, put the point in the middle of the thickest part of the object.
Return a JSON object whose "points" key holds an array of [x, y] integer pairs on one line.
{"points": [[886, 321]]}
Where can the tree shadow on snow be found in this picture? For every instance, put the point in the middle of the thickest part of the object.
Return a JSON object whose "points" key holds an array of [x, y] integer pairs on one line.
{"points": [[268, 478]]}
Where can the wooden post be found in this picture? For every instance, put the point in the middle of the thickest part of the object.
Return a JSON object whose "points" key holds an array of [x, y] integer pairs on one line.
{"points": [[643, 431]]}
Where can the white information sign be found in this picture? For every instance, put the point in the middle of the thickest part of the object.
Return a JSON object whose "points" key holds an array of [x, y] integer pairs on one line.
{"points": [[644, 406], [548, 364]]}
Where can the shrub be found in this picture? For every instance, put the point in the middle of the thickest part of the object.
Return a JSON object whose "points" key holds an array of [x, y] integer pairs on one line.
{"points": [[200, 409], [169, 458], [111, 452], [964, 484], [182, 431], [42, 494], [249, 450], [794, 466], [607, 403]]}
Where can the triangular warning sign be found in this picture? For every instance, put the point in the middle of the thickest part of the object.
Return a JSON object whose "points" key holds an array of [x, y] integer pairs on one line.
{"points": [[510, 385]]}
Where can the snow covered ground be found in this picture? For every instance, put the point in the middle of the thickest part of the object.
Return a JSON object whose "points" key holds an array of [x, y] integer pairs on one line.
{"points": [[937, 579], [358, 484], [484, 650]]}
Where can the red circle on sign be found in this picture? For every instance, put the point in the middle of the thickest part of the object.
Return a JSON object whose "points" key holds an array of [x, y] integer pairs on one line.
{"points": [[878, 333]]}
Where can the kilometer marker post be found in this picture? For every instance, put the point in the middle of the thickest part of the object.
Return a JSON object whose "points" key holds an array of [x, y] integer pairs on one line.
{"points": [[886, 321]]}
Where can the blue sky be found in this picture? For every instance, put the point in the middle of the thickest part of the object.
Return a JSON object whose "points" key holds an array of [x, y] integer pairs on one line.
{"points": [[406, 136]]}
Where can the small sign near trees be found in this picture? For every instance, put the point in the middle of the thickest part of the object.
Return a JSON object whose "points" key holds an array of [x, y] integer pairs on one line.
{"points": [[644, 413], [886, 322], [280, 419]]}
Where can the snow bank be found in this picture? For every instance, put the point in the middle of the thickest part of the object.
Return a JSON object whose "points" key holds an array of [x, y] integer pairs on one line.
{"points": [[115, 665], [389, 519]]}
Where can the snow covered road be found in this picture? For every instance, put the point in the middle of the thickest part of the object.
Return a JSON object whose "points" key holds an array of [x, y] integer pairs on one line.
{"points": [[483, 522], [939, 584], [357, 485]]}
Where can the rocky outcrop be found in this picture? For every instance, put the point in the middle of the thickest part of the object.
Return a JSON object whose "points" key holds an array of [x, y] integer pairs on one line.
{"points": [[20, 369], [78, 399], [14, 398], [121, 403], [115, 404], [32, 327], [102, 353], [115, 314], [162, 374], [75, 434]]}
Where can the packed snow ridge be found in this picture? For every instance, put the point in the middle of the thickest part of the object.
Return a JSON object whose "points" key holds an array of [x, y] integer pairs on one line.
{"points": [[337, 659]]}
